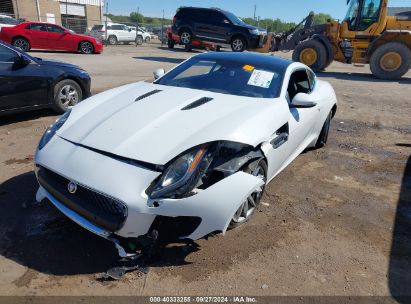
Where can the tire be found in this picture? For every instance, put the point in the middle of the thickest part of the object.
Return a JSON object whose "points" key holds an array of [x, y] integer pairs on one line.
{"points": [[186, 37], [112, 40], [188, 47], [323, 137], [391, 61], [86, 47], [241, 216], [67, 93], [238, 44], [21, 43], [170, 44], [139, 40], [147, 40], [312, 53]]}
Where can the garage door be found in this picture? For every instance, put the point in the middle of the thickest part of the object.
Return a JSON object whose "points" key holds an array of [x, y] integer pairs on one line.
{"points": [[73, 9]]}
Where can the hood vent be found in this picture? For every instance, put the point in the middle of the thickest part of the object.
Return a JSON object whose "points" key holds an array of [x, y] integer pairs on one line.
{"points": [[197, 103], [147, 94]]}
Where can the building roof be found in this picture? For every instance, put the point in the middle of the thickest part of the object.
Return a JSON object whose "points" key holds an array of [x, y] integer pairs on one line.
{"points": [[392, 11]]}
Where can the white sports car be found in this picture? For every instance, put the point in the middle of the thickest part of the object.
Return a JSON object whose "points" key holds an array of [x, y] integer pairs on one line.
{"points": [[194, 149]]}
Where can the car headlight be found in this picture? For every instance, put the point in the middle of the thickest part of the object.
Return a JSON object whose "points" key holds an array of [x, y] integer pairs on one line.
{"points": [[182, 175], [48, 135], [254, 32]]}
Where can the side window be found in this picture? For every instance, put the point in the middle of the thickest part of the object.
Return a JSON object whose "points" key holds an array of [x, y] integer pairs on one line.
{"points": [[217, 18], [116, 27], [124, 28], [7, 55], [299, 83], [55, 29], [38, 27], [369, 14]]}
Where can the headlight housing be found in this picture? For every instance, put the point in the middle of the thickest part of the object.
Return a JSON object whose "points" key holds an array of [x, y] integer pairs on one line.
{"points": [[48, 135], [254, 32], [182, 174]]}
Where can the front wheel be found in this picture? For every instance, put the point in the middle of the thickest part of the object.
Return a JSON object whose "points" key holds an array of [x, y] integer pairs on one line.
{"points": [[21, 43], [312, 53], [67, 93], [238, 44], [147, 40], [247, 208], [139, 40], [112, 40], [391, 61], [323, 137], [86, 47]]}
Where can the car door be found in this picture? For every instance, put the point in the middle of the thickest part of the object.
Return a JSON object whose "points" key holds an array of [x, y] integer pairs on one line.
{"points": [[219, 26], [202, 25], [21, 84], [38, 35], [302, 120], [129, 33], [58, 38]]}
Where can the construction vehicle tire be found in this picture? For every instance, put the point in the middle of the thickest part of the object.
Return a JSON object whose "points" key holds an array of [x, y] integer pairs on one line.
{"points": [[312, 53]]}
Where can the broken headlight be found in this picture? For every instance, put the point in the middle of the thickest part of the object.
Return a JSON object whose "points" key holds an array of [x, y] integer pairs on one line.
{"points": [[48, 135], [182, 174]]}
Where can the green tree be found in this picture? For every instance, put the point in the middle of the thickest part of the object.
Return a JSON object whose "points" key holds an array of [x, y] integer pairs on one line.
{"points": [[321, 18], [136, 17]]}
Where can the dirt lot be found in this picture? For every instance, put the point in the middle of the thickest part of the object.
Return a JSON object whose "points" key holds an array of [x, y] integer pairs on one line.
{"points": [[335, 222]]}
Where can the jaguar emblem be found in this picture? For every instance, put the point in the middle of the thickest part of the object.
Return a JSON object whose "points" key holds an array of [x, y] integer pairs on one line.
{"points": [[72, 187]]}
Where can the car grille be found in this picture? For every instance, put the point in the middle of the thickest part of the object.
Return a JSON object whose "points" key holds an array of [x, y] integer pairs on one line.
{"points": [[100, 209]]}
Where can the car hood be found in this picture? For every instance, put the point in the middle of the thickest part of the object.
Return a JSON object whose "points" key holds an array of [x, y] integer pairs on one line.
{"points": [[155, 129], [55, 63]]}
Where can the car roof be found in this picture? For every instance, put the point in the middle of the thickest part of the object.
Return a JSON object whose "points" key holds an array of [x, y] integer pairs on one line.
{"points": [[272, 62]]}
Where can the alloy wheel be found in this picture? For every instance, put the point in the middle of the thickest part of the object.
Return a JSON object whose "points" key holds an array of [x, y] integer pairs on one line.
{"points": [[238, 45], [68, 96], [185, 38], [22, 44], [86, 48]]}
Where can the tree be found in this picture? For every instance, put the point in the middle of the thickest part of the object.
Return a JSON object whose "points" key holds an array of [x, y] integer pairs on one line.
{"points": [[321, 18], [136, 17]]}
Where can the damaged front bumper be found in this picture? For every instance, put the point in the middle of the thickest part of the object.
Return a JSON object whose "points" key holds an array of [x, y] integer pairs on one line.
{"points": [[112, 178]]}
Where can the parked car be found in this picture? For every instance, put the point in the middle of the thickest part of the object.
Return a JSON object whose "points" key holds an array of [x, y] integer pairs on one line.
{"points": [[116, 33], [194, 149], [216, 25], [48, 36], [142, 36], [7, 21], [30, 83]]}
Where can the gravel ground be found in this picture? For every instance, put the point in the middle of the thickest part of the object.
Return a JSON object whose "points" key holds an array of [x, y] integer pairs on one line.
{"points": [[335, 222]]}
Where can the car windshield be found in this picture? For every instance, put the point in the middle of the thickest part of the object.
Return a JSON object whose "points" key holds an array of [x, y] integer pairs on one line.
{"points": [[233, 18], [226, 77]]}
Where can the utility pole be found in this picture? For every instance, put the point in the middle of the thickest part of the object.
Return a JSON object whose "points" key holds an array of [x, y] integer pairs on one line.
{"points": [[106, 21], [255, 9], [66, 25], [162, 29]]}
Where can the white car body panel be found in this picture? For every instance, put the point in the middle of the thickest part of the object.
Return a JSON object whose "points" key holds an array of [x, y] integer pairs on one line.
{"points": [[103, 133]]}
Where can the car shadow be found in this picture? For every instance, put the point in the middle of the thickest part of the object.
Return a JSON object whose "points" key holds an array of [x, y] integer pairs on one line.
{"points": [[38, 236], [360, 77], [399, 272], [24, 116], [161, 59]]}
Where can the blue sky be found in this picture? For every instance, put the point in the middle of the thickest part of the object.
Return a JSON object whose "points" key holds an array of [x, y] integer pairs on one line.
{"points": [[291, 10]]}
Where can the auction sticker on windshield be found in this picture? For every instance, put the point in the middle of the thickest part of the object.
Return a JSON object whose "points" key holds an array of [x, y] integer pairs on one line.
{"points": [[261, 79]]}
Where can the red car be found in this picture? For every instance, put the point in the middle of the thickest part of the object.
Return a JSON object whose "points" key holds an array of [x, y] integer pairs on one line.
{"points": [[46, 36]]}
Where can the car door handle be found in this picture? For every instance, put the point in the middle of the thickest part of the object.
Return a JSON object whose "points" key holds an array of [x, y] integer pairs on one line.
{"points": [[279, 140]]}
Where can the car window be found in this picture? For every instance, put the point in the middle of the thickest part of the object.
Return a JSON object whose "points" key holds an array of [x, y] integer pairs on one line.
{"points": [[8, 20], [37, 27], [201, 16], [54, 29], [217, 17], [7, 55], [97, 27], [226, 77], [299, 83], [117, 27]]}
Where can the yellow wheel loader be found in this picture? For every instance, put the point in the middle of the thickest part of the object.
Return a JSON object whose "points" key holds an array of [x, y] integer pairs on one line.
{"points": [[366, 35]]}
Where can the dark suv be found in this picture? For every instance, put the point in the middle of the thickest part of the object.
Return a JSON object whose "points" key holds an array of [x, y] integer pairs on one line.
{"points": [[216, 26]]}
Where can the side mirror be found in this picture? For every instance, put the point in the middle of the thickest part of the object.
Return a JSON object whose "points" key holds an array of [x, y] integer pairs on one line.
{"points": [[158, 73], [302, 100], [225, 21], [21, 61]]}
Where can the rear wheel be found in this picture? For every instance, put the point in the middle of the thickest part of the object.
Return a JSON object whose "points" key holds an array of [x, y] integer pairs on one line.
{"points": [[86, 47], [391, 61], [67, 93], [21, 43], [238, 44], [247, 208], [112, 40], [186, 37], [312, 53], [147, 40]]}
